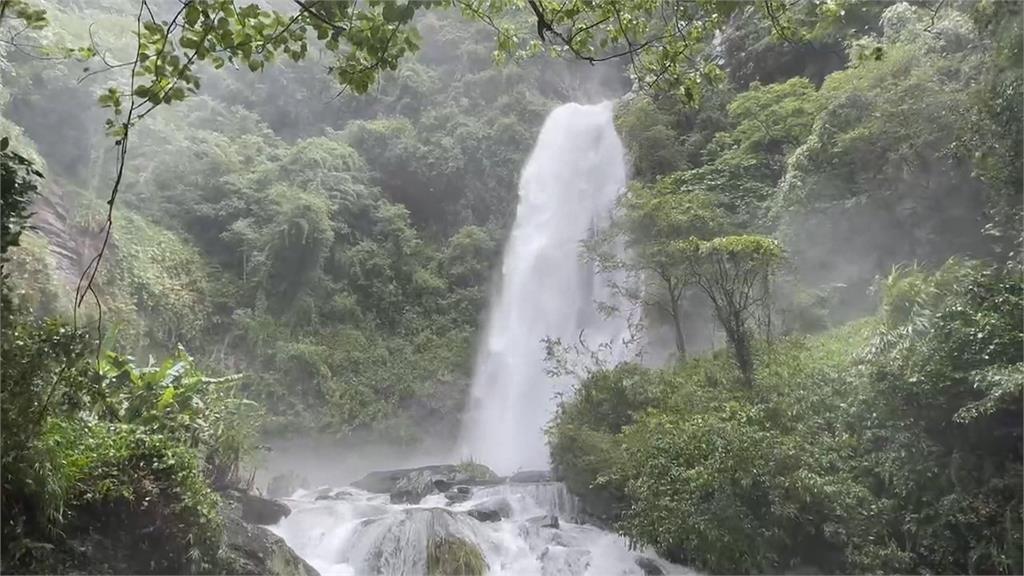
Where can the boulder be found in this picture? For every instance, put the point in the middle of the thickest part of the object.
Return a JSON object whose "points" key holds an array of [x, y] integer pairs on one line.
{"points": [[544, 521], [484, 515], [415, 541], [256, 509], [530, 476], [649, 566], [454, 555], [284, 485], [333, 494], [410, 485], [384, 481], [491, 510], [540, 532], [454, 496], [249, 549]]}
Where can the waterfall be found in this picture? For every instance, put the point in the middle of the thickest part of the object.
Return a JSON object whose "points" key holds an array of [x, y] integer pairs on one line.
{"points": [[568, 186], [517, 526]]}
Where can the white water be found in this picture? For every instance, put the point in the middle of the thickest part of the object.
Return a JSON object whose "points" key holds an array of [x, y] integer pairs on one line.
{"points": [[361, 534], [570, 183]]}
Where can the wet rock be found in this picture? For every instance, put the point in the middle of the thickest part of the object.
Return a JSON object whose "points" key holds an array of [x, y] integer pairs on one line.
{"points": [[463, 489], [485, 515], [454, 496], [544, 521], [442, 485], [414, 540], [649, 566], [530, 476], [256, 509], [453, 555], [284, 485], [491, 510], [332, 494], [410, 485], [250, 549], [537, 537]]}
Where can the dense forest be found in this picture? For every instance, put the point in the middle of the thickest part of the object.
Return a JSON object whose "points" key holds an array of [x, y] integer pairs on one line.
{"points": [[820, 241]]}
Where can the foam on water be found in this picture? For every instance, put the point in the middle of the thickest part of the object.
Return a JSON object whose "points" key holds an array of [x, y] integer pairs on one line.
{"points": [[361, 533]]}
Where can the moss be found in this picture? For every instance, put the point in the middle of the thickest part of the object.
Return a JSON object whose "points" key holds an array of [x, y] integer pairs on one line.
{"points": [[477, 471], [454, 556]]}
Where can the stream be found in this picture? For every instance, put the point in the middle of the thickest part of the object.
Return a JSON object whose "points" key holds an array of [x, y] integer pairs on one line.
{"points": [[351, 532]]}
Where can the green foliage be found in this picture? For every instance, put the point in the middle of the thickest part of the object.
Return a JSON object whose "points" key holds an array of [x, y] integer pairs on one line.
{"points": [[946, 368], [162, 278], [18, 180], [735, 273], [109, 467], [584, 447], [138, 489], [886, 446], [365, 40], [176, 401], [477, 471], [41, 361]]}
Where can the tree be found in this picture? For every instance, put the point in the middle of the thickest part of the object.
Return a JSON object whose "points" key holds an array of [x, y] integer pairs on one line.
{"points": [[643, 243], [18, 188], [735, 272]]}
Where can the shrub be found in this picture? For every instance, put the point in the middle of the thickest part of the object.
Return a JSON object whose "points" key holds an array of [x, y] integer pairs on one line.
{"points": [[141, 499], [887, 445]]}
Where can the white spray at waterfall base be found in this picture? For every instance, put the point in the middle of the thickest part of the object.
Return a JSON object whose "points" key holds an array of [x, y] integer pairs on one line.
{"points": [[355, 533], [569, 186]]}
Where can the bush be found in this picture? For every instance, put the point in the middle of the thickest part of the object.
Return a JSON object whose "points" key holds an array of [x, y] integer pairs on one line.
{"points": [[582, 435], [138, 502], [943, 415], [110, 469], [888, 445], [42, 368]]}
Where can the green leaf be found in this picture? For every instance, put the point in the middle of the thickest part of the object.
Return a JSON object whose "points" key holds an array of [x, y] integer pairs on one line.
{"points": [[166, 399]]}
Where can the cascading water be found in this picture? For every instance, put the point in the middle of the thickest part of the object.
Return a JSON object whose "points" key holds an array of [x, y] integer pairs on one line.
{"points": [[573, 177], [570, 183], [349, 532]]}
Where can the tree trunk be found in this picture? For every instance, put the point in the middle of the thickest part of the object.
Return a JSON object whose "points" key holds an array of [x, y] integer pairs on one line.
{"points": [[740, 342], [677, 325]]}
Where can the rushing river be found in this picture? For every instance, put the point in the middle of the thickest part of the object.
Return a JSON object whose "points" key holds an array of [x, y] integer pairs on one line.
{"points": [[358, 533]]}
